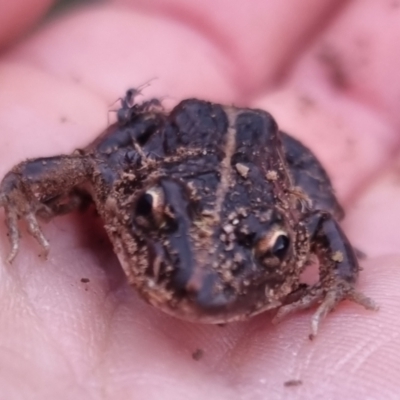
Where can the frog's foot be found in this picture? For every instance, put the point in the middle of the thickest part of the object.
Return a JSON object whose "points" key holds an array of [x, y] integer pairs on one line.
{"points": [[17, 204], [328, 299]]}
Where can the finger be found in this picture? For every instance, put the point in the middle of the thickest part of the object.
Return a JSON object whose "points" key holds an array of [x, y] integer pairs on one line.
{"points": [[260, 37], [124, 49], [17, 16], [42, 114], [352, 141], [373, 218], [358, 56], [340, 98]]}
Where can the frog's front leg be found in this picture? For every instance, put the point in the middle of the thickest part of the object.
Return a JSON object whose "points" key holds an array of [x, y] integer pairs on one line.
{"points": [[338, 267], [41, 187]]}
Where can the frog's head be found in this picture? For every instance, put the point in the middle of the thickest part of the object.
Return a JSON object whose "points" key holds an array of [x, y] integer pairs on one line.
{"points": [[208, 265]]}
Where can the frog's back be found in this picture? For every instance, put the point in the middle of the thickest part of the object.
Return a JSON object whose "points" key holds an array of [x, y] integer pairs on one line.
{"points": [[195, 136]]}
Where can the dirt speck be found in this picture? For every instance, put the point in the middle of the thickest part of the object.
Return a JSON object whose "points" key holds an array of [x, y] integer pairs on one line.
{"points": [[306, 103], [293, 382], [331, 59], [337, 256], [198, 354]]}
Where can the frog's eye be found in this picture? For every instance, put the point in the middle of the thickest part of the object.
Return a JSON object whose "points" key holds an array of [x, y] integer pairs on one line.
{"points": [[150, 205], [275, 244], [280, 246], [152, 210], [144, 205]]}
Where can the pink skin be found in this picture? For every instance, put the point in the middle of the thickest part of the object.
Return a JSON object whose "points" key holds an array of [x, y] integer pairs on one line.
{"points": [[328, 71]]}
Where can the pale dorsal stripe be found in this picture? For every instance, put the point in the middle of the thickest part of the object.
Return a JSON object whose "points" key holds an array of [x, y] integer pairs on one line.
{"points": [[225, 168]]}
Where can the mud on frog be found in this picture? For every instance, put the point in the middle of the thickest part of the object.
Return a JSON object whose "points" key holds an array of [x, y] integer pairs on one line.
{"points": [[212, 211]]}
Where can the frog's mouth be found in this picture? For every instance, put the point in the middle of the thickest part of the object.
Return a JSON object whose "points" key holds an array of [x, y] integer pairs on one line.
{"points": [[204, 305], [197, 293]]}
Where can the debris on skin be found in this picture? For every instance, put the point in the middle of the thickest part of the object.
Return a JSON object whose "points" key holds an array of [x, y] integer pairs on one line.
{"points": [[293, 382], [85, 280], [331, 59], [198, 354]]}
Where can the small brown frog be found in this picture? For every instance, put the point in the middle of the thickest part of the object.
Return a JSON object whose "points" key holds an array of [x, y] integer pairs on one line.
{"points": [[212, 211]]}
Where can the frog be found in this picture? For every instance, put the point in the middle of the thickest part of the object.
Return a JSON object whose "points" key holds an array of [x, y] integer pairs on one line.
{"points": [[212, 210]]}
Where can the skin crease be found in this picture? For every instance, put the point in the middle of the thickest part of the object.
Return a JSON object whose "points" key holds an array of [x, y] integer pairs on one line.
{"points": [[64, 338]]}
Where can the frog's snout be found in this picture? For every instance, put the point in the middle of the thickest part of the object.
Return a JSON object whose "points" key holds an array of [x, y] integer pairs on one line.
{"points": [[206, 293]]}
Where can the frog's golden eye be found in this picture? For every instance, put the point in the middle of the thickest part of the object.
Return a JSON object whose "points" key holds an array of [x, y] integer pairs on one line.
{"points": [[151, 205], [280, 246], [274, 244]]}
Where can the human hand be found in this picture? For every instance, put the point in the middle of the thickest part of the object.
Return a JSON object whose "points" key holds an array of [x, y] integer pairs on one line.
{"points": [[327, 71]]}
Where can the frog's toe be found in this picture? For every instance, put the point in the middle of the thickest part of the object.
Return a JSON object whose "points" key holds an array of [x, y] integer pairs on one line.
{"points": [[13, 233], [17, 205], [310, 297], [35, 230], [328, 300], [333, 297]]}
